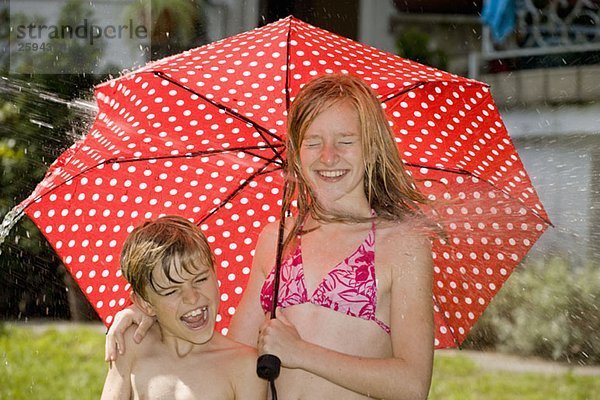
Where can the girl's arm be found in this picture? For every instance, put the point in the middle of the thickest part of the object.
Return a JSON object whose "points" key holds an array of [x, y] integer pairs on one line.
{"points": [[406, 375], [248, 385], [249, 314], [118, 380]]}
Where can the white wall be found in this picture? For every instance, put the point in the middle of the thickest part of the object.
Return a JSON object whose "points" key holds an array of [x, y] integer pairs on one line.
{"points": [[229, 17], [374, 24], [558, 146]]}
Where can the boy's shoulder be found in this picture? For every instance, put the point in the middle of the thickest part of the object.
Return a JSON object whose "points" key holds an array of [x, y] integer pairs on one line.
{"points": [[147, 347]]}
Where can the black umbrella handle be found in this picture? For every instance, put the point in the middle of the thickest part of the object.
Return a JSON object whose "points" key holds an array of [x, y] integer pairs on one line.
{"points": [[268, 366]]}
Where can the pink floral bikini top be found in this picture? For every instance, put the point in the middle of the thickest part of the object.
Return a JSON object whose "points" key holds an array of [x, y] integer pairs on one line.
{"points": [[350, 287]]}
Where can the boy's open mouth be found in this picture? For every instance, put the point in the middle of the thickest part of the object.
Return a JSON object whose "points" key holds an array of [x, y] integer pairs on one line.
{"points": [[196, 318]]}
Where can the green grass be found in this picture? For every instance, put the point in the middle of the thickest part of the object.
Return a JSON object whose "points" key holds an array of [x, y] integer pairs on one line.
{"points": [[69, 364], [459, 378], [51, 365]]}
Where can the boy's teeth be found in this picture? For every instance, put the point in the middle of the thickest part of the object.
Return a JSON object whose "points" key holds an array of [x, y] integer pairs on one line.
{"points": [[195, 313]]}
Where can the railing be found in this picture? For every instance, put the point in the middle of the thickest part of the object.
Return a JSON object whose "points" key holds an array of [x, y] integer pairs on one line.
{"points": [[545, 27]]}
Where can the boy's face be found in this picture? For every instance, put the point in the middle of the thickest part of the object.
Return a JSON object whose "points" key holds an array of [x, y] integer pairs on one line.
{"points": [[185, 310]]}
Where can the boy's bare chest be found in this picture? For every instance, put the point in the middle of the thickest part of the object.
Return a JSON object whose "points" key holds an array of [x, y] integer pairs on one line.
{"points": [[181, 379]]}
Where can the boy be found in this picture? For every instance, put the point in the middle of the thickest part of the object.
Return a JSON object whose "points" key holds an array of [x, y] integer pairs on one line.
{"points": [[171, 271]]}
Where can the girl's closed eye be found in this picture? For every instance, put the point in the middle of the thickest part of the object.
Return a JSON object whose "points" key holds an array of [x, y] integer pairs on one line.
{"points": [[348, 139], [311, 143]]}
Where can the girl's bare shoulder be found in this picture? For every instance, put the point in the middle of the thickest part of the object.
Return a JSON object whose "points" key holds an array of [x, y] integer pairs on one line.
{"points": [[271, 230], [235, 354], [225, 343], [404, 249], [266, 247], [411, 229]]}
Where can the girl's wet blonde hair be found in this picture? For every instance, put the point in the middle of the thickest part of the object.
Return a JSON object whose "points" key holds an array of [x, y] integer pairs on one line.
{"points": [[390, 190], [171, 243]]}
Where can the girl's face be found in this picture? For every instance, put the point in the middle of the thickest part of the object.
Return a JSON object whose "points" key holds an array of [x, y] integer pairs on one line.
{"points": [[332, 161], [188, 309]]}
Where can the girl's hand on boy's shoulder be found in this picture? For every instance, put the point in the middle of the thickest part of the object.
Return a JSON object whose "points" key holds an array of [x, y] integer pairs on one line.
{"points": [[115, 340]]}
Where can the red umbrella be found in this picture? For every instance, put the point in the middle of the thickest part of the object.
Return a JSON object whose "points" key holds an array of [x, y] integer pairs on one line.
{"points": [[200, 134]]}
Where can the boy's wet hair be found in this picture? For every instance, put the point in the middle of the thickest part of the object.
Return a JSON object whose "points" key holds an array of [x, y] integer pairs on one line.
{"points": [[166, 242]]}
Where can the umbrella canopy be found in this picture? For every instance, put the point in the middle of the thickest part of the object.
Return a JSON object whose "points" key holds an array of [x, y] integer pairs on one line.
{"points": [[201, 134]]}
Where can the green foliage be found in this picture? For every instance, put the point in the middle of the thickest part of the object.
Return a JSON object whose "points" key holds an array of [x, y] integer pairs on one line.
{"points": [[4, 36], [34, 131], [416, 45], [547, 309], [37, 124]]}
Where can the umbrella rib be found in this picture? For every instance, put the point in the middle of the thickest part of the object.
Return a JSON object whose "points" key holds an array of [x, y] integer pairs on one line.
{"points": [[237, 190], [246, 149], [262, 131], [272, 160], [455, 171], [465, 172], [263, 157], [416, 85], [287, 67], [456, 341], [401, 92]]}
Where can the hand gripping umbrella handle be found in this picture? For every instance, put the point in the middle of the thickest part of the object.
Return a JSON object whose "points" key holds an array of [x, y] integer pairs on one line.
{"points": [[268, 365]]}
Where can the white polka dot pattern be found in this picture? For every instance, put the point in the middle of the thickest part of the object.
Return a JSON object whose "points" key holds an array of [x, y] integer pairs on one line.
{"points": [[200, 134]]}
